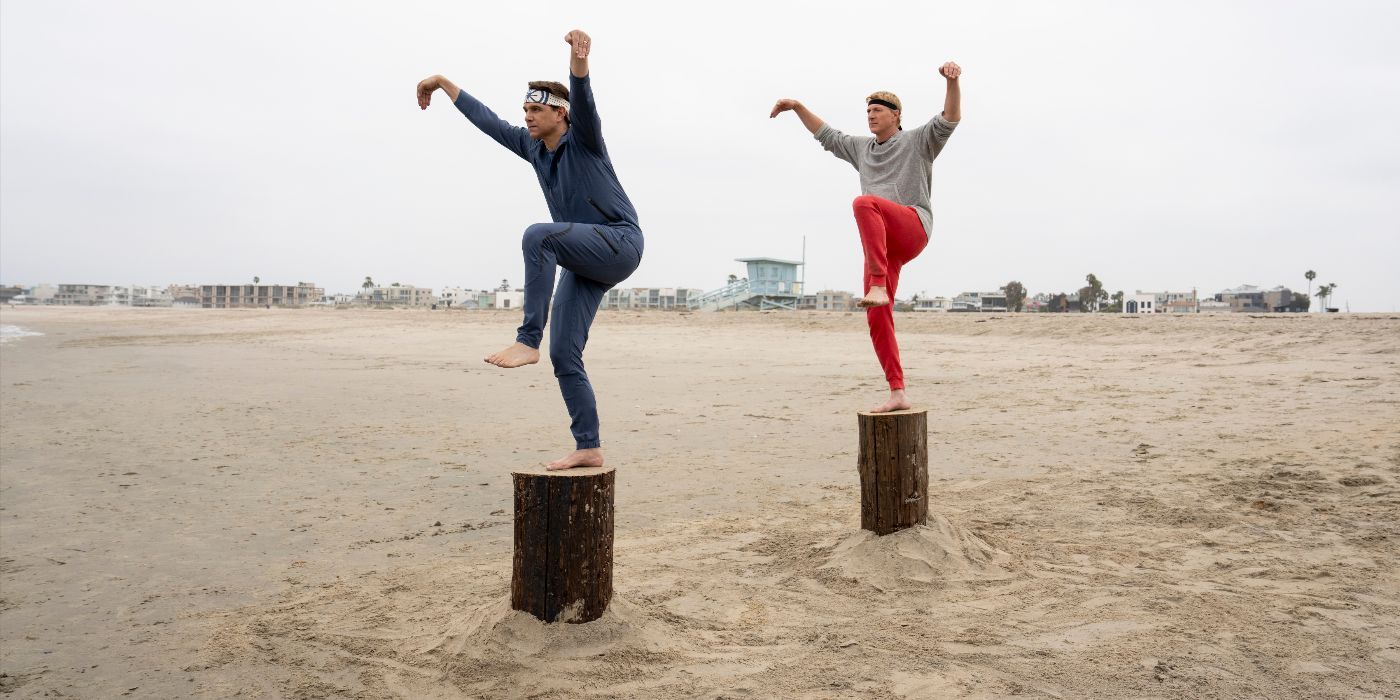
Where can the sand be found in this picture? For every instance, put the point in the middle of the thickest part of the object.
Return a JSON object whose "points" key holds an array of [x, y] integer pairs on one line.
{"points": [[316, 503]]}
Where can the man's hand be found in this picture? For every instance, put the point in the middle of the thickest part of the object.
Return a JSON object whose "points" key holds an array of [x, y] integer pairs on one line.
{"points": [[950, 70], [426, 87], [580, 41], [809, 120], [784, 105]]}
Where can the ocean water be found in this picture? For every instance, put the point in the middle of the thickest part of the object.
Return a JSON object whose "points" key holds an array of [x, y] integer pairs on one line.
{"points": [[9, 332]]}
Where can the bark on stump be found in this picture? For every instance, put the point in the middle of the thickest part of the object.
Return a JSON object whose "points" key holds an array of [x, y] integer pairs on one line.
{"points": [[893, 466], [562, 568]]}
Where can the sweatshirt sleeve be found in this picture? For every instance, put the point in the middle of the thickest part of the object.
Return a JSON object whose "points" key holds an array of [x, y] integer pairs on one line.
{"points": [[842, 146], [935, 134], [515, 138], [583, 115]]}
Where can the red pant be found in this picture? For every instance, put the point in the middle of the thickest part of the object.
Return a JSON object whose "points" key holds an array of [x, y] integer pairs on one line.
{"points": [[891, 235]]}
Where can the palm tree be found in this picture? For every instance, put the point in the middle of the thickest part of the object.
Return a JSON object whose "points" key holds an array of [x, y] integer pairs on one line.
{"points": [[1324, 293], [1310, 275], [367, 284], [256, 279]]}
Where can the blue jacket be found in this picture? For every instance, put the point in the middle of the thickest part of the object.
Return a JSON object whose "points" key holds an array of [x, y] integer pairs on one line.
{"points": [[578, 180]]}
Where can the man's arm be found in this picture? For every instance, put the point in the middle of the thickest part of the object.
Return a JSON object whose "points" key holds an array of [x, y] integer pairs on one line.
{"points": [[842, 146], [515, 138], [809, 120], [934, 135], [428, 85], [952, 101], [581, 44], [583, 113]]}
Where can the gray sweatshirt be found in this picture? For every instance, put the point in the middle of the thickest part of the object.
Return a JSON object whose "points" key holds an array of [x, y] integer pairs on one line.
{"points": [[900, 169]]}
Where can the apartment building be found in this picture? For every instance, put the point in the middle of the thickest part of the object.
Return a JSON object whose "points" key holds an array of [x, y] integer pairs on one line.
{"points": [[234, 296]]}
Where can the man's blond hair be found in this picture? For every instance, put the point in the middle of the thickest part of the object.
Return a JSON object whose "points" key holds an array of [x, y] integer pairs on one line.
{"points": [[888, 97]]}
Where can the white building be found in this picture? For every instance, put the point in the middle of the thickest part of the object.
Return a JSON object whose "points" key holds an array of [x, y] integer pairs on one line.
{"points": [[397, 295], [933, 304], [512, 299], [664, 298], [1140, 303]]}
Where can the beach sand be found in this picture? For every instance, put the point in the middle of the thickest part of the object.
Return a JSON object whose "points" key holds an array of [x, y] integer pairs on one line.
{"points": [[316, 503]]}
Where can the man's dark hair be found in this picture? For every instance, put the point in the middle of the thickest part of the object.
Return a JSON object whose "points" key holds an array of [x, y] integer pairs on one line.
{"points": [[556, 89], [553, 88]]}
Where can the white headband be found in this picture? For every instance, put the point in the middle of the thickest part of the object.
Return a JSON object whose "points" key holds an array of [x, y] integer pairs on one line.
{"points": [[545, 97]]}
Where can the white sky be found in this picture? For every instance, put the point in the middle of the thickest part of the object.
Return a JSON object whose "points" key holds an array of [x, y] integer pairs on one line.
{"points": [[1158, 145]]}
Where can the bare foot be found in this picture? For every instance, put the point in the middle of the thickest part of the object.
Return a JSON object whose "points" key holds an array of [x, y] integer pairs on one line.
{"points": [[898, 402], [592, 457], [517, 355], [875, 297]]}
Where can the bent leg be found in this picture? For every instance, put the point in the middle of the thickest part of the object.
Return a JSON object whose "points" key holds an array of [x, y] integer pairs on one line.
{"points": [[590, 250], [901, 238], [575, 304]]}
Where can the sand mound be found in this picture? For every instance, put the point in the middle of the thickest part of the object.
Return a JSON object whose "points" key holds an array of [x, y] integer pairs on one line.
{"points": [[939, 551], [495, 630]]}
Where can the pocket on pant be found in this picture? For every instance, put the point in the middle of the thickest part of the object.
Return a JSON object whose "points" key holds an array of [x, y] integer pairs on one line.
{"points": [[604, 236]]}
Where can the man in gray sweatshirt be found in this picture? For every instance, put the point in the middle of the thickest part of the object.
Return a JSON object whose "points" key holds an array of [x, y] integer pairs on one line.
{"points": [[893, 212]]}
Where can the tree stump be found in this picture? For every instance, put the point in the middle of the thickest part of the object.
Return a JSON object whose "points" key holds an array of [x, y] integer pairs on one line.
{"points": [[893, 466], [562, 568]]}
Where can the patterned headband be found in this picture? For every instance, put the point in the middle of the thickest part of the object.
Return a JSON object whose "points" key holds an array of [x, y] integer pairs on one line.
{"points": [[545, 97]]}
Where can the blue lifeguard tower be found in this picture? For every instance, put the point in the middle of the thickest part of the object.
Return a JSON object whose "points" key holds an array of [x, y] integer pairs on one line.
{"points": [[771, 284]]}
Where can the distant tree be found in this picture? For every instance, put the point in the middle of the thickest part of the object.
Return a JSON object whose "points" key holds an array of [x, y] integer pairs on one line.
{"points": [[368, 283], [1324, 295], [1059, 303], [733, 279], [505, 286], [1015, 295], [1116, 307], [394, 284], [1310, 276], [1095, 297], [1301, 302], [256, 279]]}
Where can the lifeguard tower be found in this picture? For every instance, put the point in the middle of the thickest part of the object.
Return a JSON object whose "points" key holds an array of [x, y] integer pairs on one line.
{"points": [[771, 284]]}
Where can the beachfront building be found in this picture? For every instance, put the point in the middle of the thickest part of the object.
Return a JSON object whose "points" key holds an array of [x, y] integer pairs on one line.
{"points": [[1141, 303], [979, 301], [1249, 298], [40, 294], [139, 296], [943, 304], [1212, 306], [507, 299], [459, 298], [660, 298], [396, 295], [184, 296], [235, 296], [82, 294], [835, 300]]}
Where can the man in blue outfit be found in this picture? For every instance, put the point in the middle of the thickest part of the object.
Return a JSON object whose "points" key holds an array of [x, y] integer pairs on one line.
{"points": [[595, 237]]}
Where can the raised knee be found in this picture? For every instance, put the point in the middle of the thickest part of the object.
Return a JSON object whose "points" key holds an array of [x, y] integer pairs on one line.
{"points": [[865, 201], [565, 361], [536, 235]]}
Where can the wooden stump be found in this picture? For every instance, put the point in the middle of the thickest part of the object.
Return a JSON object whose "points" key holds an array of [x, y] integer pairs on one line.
{"points": [[893, 466], [562, 569]]}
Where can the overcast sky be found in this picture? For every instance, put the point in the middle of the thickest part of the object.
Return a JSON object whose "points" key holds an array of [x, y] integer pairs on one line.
{"points": [[1163, 145]]}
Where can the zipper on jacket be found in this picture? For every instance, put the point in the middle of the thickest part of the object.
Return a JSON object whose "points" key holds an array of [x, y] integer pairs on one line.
{"points": [[605, 240]]}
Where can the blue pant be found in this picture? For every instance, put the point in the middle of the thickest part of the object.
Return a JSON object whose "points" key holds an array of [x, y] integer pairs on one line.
{"points": [[595, 258]]}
